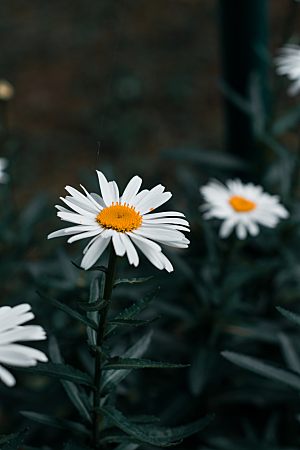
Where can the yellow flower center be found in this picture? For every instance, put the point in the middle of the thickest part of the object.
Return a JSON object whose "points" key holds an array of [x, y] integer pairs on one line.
{"points": [[119, 217], [241, 204]]}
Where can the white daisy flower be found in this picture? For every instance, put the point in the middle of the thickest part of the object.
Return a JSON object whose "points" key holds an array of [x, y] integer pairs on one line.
{"points": [[241, 206], [127, 220], [3, 175], [288, 63], [12, 331]]}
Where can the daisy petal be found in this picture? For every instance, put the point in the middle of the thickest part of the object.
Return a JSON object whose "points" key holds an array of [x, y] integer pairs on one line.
{"points": [[87, 234], [94, 252], [132, 254], [118, 244], [105, 188], [131, 189], [7, 377]]}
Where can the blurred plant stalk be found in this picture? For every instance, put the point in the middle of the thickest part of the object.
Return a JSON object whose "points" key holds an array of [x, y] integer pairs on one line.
{"points": [[244, 42]]}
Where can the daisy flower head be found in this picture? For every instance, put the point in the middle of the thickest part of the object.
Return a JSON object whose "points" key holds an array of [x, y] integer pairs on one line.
{"points": [[126, 220], [13, 330], [241, 206], [288, 63], [3, 175]]}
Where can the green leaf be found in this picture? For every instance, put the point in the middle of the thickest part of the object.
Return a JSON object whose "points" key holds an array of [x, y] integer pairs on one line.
{"points": [[136, 363], [71, 312], [132, 311], [287, 121], [132, 280], [113, 377], [279, 150], [289, 315], [264, 369], [61, 371], [238, 100], [92, 269], [96, 295], [73, 392], [92, 306], [131, 322], [68, 425], [289, 353], [159, 436], [94, 290], [201, 369]]}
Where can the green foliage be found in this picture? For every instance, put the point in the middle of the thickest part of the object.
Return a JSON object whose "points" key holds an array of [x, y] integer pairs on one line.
{"points": [[157, 436], [66, 425], [137, 363], [262, 368], [61, 371]]}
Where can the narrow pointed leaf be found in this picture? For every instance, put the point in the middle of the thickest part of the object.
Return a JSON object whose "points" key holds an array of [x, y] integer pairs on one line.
{"points": [[132, 280], [287, 121], [96, 295], [113, 377], [130, 322], [132, 311], [289, 353], [60, 371], [289, 315], [264, 369], [92, 269], [71, 312], [136, 363], [160, 436], [68, 425], [94, 290], [75, 393], [92, 306]]}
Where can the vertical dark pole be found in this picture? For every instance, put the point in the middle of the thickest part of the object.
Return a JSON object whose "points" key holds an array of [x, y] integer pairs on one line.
{"points": [[244, 38]]}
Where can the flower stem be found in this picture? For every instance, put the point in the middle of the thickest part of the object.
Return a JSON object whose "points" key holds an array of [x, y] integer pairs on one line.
{"points": [[108, 287]]}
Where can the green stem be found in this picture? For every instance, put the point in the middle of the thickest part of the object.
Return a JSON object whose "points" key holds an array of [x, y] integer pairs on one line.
{"points": [[108, 287]]}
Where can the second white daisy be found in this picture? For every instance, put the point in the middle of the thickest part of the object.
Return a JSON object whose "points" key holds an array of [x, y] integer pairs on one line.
{"points": [[241, 206], [127, 220], [288, 63]]}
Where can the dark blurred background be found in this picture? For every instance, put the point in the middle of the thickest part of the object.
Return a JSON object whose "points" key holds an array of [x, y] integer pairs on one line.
{"points": [[102, 81]]}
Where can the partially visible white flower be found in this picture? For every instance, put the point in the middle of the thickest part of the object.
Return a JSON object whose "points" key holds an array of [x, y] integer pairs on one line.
{"points": [[13, 330], [3, 175], [127, 220], [288, 63], [241, 206]]}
